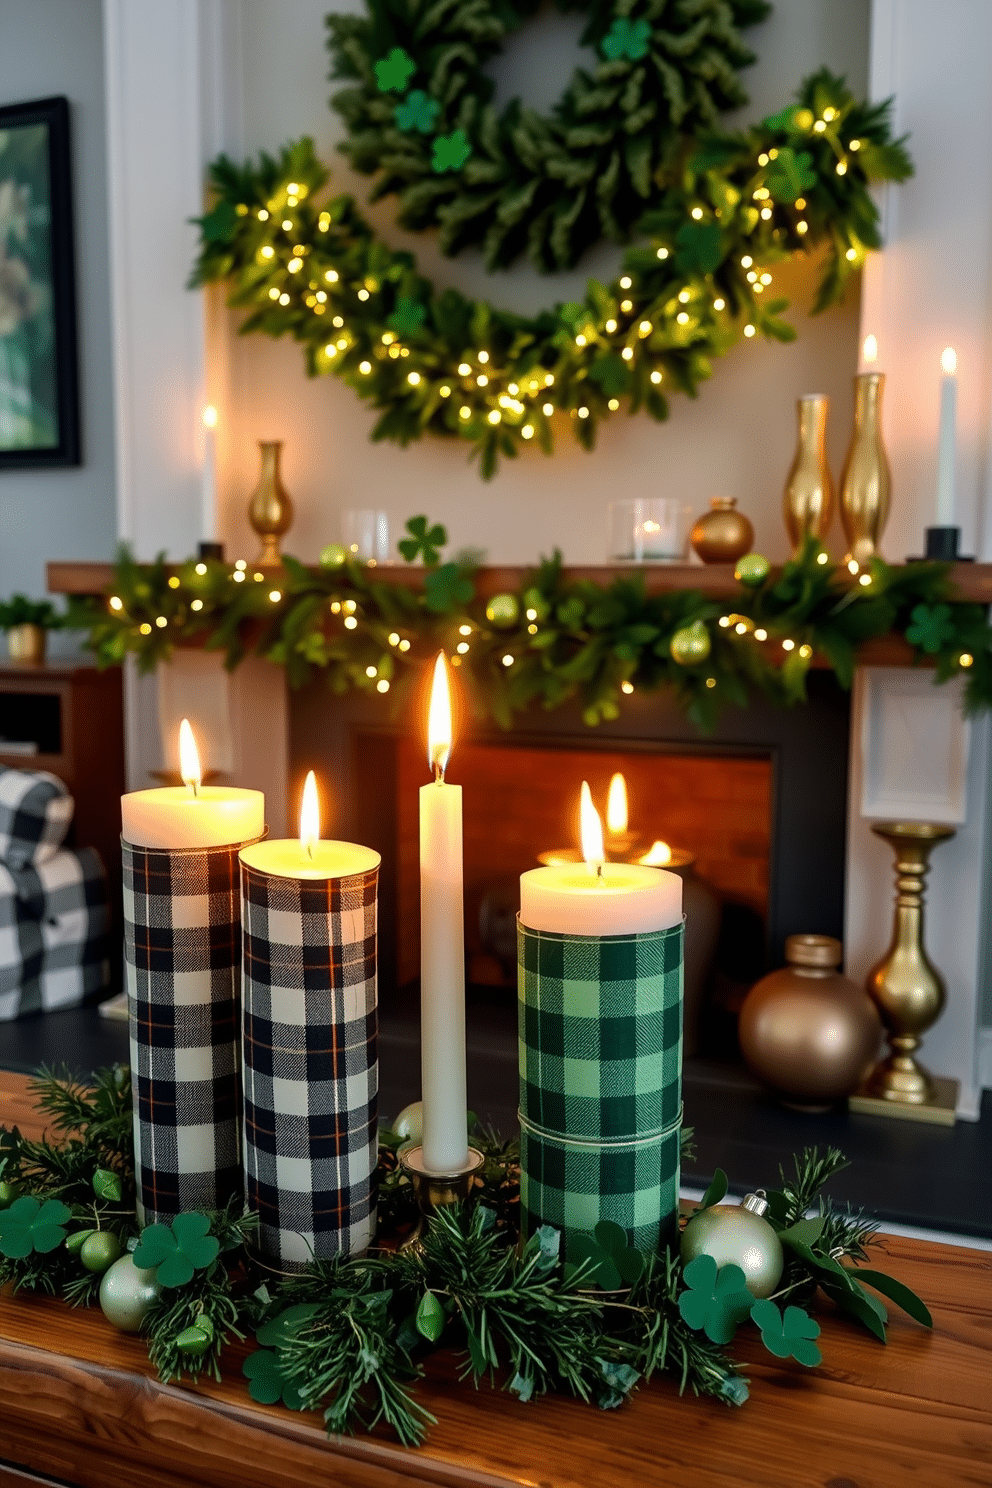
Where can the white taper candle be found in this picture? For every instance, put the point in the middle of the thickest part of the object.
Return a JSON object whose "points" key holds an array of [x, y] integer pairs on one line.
{"points": [[945, 446]]}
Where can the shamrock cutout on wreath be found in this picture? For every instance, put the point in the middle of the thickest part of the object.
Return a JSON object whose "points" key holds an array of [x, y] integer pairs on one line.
{"points": [[175, 1251], [31, 1226], [266, 1382], [628, 39], [716, 1300], [613, 1262], [393, 73], [789, 1334], [417, 112], [931, 627], [450, 152], [424, 541]]}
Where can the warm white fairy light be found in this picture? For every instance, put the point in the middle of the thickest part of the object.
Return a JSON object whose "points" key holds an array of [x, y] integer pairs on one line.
{"points": [[610, 326], [865, 579], [626, 306], [494, 416], [116, 603], [365, 368], [627, 687], [822, 557], [144, 629], [853, 566], [802, 227], [746, 261], [483, 357], [627, 353], [507, 660], [197, 604], [267, 252], [749, 331], [263, 215], [761, 634], [966, 659], [413, 378], [583, 413], [350, 623], [788, 645], [527, 432], [805, 651], [656, 377], [662, 253], [404, 645], [382, 685], [363, 294], [259, 578], [626, 282], [275, 595], [682, 318], [371, 671], [719, 304], [613, 404], [393, 638], [462, 648], [547, 409], [238, 576], [532, 629], [161, 621], [580, 340]]}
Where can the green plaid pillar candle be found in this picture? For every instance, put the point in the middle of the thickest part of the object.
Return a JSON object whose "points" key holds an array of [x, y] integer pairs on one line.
{"points": [[600, 1045], [182, 969]]}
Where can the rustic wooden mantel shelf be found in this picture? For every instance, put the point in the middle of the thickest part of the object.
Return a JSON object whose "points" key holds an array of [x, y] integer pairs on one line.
{"points": [[79, 1403]]}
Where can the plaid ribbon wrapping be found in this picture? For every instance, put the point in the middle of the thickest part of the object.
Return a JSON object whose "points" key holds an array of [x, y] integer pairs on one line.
{"points": [[600, 1047], [182, 967], [54, 921], [311, 1073]]}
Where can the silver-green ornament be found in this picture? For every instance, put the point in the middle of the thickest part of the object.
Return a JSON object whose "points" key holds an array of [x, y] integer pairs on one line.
{"points": [[409, 1124], [752, 570], [332, 556], [503, 610], [8, 1193], [691, 644], [127, 1293], [737, 1234]]}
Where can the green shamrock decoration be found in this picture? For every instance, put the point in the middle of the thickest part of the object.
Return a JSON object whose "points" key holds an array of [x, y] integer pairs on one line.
{"points": [[715, 1300], [424, 541], [626, 39], [614, 1263], [450, 152], [446, 588], [407, 318], [417, 112], [28, 1225], [789, 175], [931, 628], [266, 1382], [789, 1334], [176, 1251], [393, 73]]}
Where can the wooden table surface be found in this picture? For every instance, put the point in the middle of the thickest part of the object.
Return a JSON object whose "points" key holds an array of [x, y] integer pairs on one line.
{"points": [[79, 1402]]}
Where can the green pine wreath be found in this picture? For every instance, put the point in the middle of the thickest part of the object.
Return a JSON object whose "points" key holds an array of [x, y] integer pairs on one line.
{"points": [[718, 213]]}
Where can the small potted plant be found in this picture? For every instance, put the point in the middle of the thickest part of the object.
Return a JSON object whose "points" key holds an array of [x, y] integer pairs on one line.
{"points": [[27, 623]]}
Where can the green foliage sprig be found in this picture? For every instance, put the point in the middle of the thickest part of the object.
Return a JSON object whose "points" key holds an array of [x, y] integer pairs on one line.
{"points": [[565, 641], [720, 211], [19, 610]]}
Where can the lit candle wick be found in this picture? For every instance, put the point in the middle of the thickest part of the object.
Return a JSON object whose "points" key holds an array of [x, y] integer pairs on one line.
{"points": [[599, 873]]}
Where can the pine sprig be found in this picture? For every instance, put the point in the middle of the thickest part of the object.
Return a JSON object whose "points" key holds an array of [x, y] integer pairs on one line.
{"points": [[659, 1340]]}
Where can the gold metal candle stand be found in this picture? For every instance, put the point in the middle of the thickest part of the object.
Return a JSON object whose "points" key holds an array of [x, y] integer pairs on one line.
{"points": [[436, 1190], [270, 511], [908, 991]]}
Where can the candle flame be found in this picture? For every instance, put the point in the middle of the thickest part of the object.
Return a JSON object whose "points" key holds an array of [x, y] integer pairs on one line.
{"points": [[657, 856], [309, 814], [210, 417], [590, 828], [439, 729], [616, 804], [869, 352], [189, 759], [949, 360]]}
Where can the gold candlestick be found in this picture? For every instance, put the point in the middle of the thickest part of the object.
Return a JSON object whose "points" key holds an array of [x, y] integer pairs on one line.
{"points": [[907, 989], [865, 483], [270, 510], [436, 1190], [808, 499]]}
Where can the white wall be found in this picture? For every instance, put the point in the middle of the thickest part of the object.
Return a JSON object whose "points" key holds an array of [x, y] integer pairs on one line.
{"points": [[48, 47], [737, 439]]}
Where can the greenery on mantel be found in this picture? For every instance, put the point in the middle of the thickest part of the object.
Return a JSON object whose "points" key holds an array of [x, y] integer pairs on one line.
{"points": [[348, 1337], [555, 640], [632, 152]]}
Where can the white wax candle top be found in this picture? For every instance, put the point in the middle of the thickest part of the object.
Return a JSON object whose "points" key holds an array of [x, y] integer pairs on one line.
{"points": [[573, 899], [173, 817], [287, 857]]}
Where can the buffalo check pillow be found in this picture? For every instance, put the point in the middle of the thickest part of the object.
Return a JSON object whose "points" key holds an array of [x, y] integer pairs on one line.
{"points": [[35, 815]]}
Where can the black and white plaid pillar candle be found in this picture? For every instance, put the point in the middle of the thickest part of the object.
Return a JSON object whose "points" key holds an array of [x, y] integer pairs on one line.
{"points": [[182, 958], [309, 1048]]}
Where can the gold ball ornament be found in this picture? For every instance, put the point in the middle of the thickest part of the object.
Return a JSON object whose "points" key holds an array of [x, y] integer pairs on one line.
{"points": [[332, 556], [737, 1234], [724, 534], [691, 644], [127, 1293], [752, 570], [503, 610]]}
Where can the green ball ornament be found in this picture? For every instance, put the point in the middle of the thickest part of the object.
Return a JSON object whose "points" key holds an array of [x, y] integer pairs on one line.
{"points": [[738, 1234], [752, 570], [100, 1250], [8, 1193], [503, 610], [691, 644], [127, 1293], [332, 556], [409, 1124]]}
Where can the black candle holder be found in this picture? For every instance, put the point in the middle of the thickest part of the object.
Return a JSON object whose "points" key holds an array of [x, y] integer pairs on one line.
{"points": [[210, 550], [943, 543]]}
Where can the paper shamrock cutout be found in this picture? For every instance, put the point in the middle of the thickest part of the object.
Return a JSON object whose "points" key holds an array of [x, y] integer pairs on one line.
{"points": [[417, 112], [393, 73], [626, 38], [28, 1225], [407, 318], [266, 1383], [450, 152], [614, 1263], [789, 175], [176, 1251], [424, 541], [789, 1334], [931, 627], [447, 587], [716, 1300]]}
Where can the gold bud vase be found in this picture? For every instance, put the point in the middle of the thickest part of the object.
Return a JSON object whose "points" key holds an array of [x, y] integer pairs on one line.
{"points": [[270, 510], [865, 482], [808, 500]]}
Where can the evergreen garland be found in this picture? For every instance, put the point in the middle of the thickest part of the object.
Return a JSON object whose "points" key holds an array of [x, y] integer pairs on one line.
{"points": [[556, 640]]}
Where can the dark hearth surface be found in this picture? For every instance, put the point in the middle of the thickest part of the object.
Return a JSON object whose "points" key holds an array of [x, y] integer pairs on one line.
{"points": [[902, 1171]]}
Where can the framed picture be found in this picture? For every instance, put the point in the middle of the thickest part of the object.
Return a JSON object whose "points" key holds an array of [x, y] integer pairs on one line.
{"points": [[39, 404]]}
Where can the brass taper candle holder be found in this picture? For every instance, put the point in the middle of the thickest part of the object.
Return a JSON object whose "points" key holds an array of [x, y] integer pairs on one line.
{"points": [[908, 990], [436, 1190]]}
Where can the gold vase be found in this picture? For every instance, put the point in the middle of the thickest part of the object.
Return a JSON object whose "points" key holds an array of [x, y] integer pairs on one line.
{"points": [[270, 510], [808, 500], [865, 483], [26, 644], [724, 534], [906, 988]]}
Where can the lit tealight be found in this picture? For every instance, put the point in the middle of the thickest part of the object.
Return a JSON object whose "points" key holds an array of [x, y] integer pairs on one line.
{"points": [[189, 759], [309, 815], [658, 855], [590, 829]]}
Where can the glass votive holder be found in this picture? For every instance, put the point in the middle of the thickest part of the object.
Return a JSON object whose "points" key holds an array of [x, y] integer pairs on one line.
{"points": [[365, 534], [650, 530]]}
